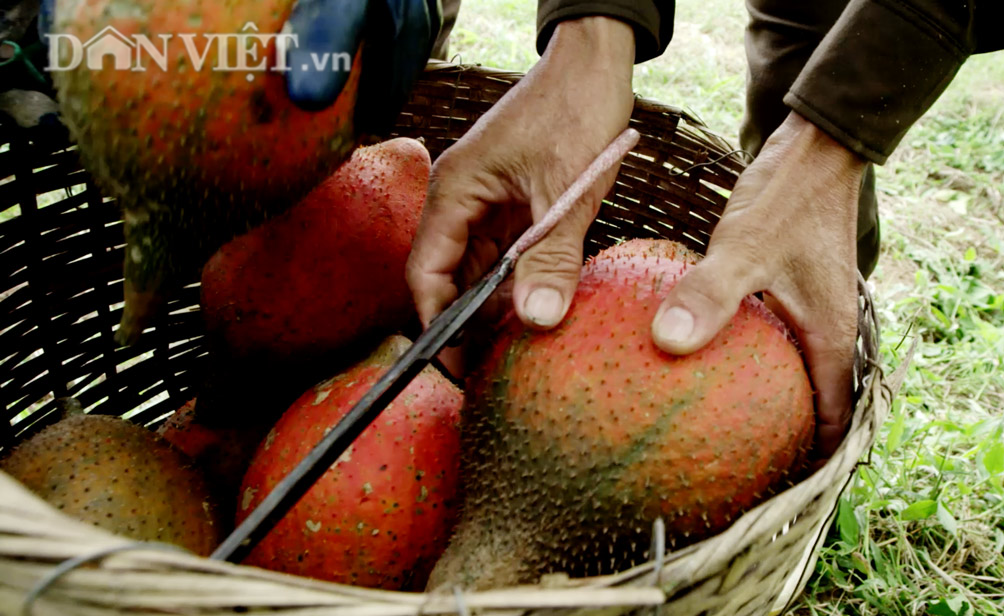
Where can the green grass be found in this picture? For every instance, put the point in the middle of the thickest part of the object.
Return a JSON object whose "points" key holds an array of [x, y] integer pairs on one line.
{"points": [[921, 528]]}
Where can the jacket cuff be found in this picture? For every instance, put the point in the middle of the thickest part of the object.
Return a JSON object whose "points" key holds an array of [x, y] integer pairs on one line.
{"points": [[652, 21], [880, 68]]}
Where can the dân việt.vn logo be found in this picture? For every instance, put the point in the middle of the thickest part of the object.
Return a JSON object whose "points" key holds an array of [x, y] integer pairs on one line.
{"points": [[243, 51]]}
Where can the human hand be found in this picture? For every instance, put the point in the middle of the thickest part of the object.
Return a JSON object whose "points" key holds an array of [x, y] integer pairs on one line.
{"points": [[394, 36], [514, 163], [788, 230]]}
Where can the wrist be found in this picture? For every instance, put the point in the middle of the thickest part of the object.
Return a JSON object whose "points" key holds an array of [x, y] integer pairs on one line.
{"points": [[600, 45], [817, 143]]}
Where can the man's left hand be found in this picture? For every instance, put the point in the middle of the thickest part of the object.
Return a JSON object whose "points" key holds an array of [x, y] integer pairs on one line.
{"points": [[788, 230]]}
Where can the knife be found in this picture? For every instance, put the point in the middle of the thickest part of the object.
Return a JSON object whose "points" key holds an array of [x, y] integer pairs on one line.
{"points": [[439, 333]]}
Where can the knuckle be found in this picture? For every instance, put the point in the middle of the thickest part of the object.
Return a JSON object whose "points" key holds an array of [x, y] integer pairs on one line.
{"points": [[703, 287], [836, 344], [447, 168], [436, 193], [699, 294], [447, 162], [413, 272], [742, 258], [562, 258], [572, 228]]}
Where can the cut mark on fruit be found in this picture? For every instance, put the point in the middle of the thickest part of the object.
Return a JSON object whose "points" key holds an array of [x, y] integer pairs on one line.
{"points": [[321, 396], [313, 526]]}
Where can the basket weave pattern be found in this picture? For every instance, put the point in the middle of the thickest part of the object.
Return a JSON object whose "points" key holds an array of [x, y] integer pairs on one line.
{"points": [[61, 259]]}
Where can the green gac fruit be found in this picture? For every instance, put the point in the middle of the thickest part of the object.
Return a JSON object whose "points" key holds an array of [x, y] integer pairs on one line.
{"points": [[120, 477]]}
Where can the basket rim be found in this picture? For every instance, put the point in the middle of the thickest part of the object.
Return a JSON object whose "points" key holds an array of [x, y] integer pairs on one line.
{"points": [[64, 538]]}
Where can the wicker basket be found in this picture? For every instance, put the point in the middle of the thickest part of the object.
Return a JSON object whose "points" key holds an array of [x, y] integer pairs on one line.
{"points": [[61, 256]]}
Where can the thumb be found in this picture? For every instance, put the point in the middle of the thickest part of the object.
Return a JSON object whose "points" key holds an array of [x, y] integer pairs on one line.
{"points": [[548, 273], [703, 301]]}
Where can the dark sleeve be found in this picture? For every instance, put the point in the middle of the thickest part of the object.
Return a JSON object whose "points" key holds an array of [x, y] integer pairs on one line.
{"points": [[885, 62], [652, 20]]}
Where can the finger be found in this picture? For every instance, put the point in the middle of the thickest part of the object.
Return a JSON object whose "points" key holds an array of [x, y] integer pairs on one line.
{"points": [[547, 274], [480, 332], [829, 355], [705, 299], [831, 372], [438, 250], [456, 199]]}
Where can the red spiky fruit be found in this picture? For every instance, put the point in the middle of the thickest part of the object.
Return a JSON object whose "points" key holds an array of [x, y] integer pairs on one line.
{"points": [[577, 439], [328, 273], [380, 516]]}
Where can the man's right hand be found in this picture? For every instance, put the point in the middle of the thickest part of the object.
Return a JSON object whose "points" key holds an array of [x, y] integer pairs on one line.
{"points": [[514, 163]]}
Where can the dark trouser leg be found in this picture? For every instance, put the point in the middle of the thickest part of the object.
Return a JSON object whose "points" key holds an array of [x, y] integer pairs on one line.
{"points": [[442, 47], [780, 37]]}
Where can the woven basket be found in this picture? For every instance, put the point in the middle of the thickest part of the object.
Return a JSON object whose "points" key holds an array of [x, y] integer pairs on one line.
{"points": [[61, 259]]}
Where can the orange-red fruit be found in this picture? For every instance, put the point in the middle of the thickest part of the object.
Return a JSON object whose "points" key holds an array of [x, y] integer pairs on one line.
{"points": [[577, 439], [380, 516], [223, 131], [330, 271], [194, 155], [120, 477]]}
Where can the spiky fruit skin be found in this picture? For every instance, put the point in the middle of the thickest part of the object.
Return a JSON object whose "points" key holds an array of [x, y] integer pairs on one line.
{"points": [[381, 515], [577, 439], [194, 157], [330, 272], [120, 477]]}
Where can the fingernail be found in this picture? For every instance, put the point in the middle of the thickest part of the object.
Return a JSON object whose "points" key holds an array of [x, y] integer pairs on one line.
{"points": [[544, 306], [674, 325]]}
